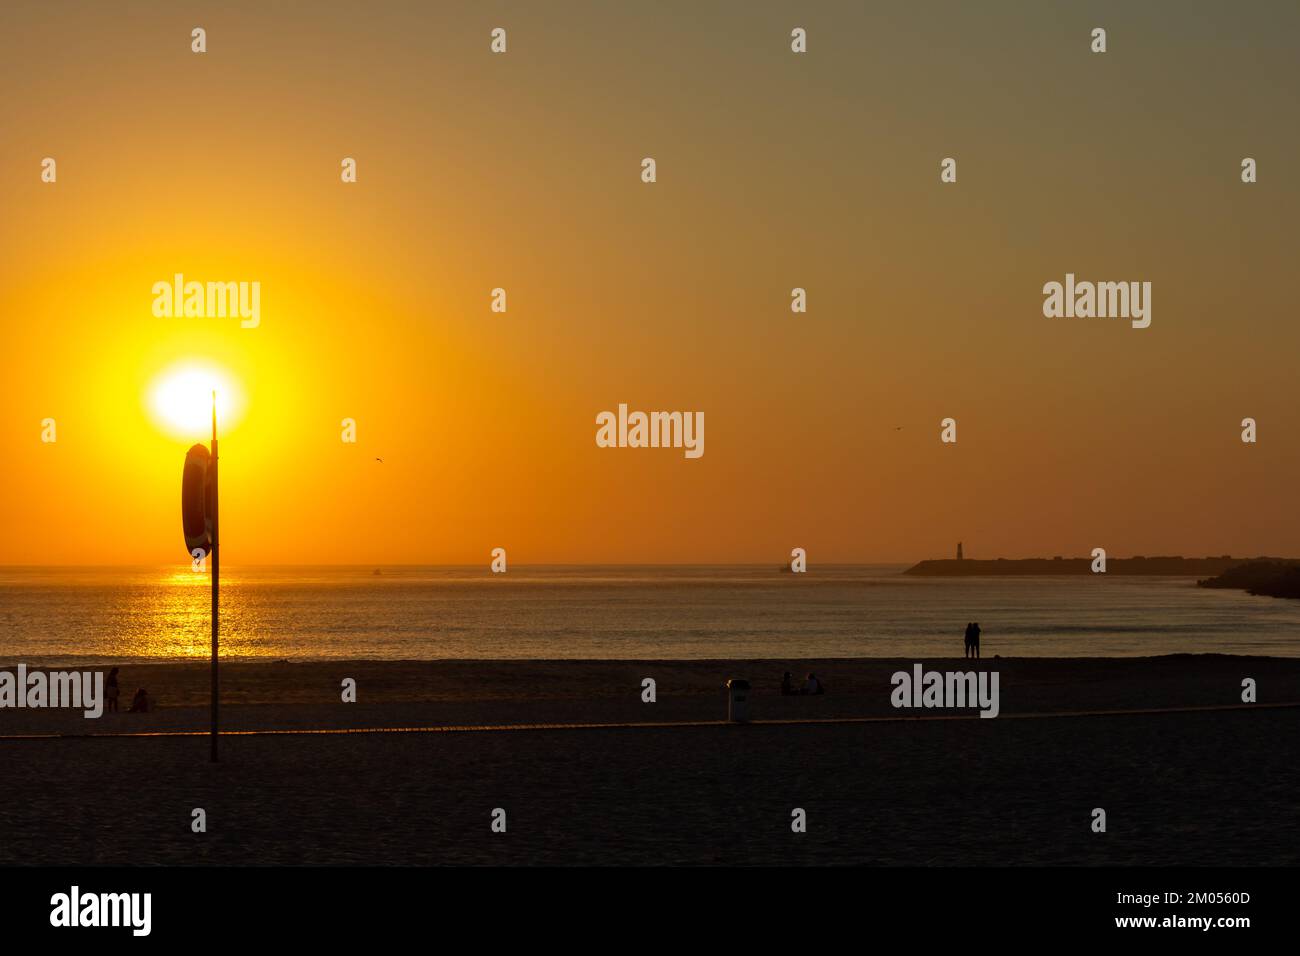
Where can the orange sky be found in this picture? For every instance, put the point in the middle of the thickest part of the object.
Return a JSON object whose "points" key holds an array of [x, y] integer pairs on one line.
{"points": [[775, 171]]}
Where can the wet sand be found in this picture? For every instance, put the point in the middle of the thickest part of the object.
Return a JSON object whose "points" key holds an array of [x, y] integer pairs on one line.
{"points": [[1193, 787]]}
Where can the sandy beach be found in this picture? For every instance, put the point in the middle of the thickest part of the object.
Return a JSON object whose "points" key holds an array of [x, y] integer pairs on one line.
{"points": [[1180, 785]]}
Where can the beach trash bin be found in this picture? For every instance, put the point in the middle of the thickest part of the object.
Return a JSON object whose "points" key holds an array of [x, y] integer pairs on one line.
{"points": [[738, 701]]}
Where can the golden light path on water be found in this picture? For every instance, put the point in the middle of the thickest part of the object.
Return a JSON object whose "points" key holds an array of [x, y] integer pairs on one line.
{"points": [[173, 618]]}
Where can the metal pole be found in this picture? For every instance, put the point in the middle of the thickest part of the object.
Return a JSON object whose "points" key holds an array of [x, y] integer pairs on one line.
{"points": [[212, 474]]}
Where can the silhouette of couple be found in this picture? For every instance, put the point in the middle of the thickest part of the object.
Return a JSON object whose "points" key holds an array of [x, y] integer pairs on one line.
{"points": [[972, 640]]}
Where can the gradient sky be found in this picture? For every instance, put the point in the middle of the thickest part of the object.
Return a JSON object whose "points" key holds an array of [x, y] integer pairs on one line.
{"points": [[775, 171]]}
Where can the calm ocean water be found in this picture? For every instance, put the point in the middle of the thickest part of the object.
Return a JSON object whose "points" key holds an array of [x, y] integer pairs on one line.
{"points": [[48, 615]]}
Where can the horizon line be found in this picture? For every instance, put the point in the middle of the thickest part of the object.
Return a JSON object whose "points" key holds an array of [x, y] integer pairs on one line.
{"points": [[653, 564]]}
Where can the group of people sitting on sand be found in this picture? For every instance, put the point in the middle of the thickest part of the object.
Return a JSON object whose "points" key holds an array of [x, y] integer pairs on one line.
{"points": [[811, 686], [141, 703], [972, 640]]}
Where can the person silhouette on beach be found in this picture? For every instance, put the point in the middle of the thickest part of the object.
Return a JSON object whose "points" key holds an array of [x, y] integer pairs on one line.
{"points": [[969, 638], [113, 690], [975, 638]]}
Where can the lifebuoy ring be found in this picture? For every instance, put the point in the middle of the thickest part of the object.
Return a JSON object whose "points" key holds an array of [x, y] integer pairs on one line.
{"points": [[195, 501]]}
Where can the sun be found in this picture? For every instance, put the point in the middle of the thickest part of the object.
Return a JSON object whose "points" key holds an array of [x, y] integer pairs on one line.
{"points": [[181, 400]]}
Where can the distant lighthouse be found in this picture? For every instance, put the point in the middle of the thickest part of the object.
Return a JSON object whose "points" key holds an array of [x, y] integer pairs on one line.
{"points": [[958, 550]]}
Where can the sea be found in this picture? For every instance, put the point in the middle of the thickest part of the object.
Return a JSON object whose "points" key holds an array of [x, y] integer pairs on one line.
{"points": [[50, 616]]}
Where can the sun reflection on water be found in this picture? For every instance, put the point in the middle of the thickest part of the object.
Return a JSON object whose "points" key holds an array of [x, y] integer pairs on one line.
{"points": [[171, 617]]}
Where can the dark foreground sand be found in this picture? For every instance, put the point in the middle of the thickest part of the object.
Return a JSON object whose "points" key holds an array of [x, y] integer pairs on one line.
{"points": [[1208, 787]]}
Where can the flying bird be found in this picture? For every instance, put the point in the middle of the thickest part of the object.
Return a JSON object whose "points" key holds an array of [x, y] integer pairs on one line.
{"points": [[380, 460]]}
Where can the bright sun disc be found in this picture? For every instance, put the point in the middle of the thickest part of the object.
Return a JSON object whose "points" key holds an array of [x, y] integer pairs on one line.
{"points": [[181, 401]]}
